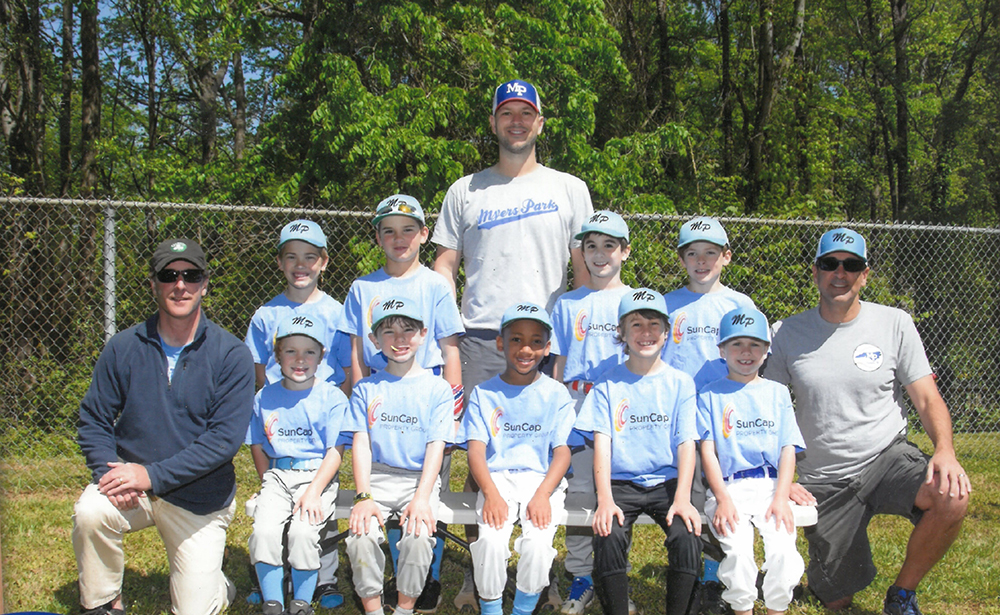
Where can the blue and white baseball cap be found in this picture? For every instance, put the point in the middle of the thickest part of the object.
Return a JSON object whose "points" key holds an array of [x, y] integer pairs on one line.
{"points": [[702, 229], [744, 322], [399, 205], [396, 306], [298, 324], [303, 230], [642, 299], [842, 240], [526, 311], [515, 89], [605, 222]]}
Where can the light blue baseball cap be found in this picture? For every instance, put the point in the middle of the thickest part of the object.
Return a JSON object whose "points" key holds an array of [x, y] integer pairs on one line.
{"points": [[842, 240], [396, 306], [605, 222], [303, 230], [642, 299], [526, 311], [516, 89], [702, 229], [744, 322], [399, 205], [298, 324]]}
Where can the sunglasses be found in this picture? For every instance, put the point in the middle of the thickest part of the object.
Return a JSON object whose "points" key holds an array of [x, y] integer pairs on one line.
{"points": [[191, 276], [401, 208], [851, 265]]}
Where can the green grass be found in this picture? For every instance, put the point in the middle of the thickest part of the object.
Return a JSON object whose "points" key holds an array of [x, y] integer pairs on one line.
{"points": [[40, 571]]}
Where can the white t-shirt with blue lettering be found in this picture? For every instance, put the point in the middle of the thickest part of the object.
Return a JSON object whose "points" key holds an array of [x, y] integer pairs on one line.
{"points": [[260, 335], [584, 325], [749, 423], [694, 326], [300, 424], [402, 416], [647, 418], [436, 305], [519, 424]]}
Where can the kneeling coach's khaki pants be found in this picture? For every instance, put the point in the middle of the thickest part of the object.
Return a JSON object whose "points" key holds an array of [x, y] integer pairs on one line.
{"points": [[194, 543]]}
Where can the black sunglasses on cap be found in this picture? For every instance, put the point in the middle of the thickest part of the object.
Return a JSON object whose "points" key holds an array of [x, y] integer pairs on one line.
{"points": [[851, 265], [191, 276]]}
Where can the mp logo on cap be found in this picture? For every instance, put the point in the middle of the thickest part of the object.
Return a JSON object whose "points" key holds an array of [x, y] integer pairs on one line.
{"points": [[700, 225], [842, 238], [599, 218], [742, 320], [524, 307], [303, 321], [642, 296], [393, 304], [178, 246], [517, 88], [298, 228]]}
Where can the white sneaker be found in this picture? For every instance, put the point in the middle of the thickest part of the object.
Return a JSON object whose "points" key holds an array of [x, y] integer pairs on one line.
{"points": [[632, 608], [581, 593], [466, 597]]}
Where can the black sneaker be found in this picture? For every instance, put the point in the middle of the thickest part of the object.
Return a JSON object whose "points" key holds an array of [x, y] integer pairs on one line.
{"points": [[899, 601], [273, 607], [104, 609], [711, 599], [430, 598]]}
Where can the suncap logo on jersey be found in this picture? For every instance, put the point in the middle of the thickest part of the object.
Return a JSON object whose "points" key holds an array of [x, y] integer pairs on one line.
{"points": [[271, 426], [371, 309], [678, 333], [495, 421], [621, 411], [373, 408], [868, 357], [727, 420], [580, 325]]}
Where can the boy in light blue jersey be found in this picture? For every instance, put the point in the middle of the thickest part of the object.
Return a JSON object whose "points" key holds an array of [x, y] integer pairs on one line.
{"points": [[302, 258], [642, 416], [402, 418], [584, 326], [749, 441], [292, 437], [516, 428], [695, 312], [400, 230]]}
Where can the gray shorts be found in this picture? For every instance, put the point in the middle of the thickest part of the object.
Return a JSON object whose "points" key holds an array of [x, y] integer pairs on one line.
{"points": [[840, 557]]}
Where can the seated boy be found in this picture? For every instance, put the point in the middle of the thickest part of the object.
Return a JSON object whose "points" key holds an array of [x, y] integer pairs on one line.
{"points": [[402, 419], [642, 415], [516, 428]]}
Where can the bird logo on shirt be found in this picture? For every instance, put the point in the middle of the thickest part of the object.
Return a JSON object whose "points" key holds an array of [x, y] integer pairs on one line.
{"points": [[270, 425], [727, 420], [495, 421], [678, 333], [373, 410], [580, 325], [620, 411]]}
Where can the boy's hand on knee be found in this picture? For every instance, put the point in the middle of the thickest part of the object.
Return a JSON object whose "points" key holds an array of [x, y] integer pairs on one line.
{"points": [[605, 515], [361, 514], [782, 513], [494, 511], [688, 514], [726, 517], [309, 507], [417, 513], [539, 510], [801, 496]]}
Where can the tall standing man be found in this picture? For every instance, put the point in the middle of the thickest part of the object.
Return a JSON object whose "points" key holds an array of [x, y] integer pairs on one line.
{"points": [[848, 362], [166, 411], [512, 226]]}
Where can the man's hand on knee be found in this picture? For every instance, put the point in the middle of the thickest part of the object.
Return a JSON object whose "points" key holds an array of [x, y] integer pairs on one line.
{"points": [[953, 480]]}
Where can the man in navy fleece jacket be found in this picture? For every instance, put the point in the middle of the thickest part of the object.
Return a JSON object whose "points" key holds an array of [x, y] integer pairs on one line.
{"points": [[166, 411]]}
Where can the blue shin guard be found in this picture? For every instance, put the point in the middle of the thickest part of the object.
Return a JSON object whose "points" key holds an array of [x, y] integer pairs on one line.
{"points": [[524, 603], [304, 584]]}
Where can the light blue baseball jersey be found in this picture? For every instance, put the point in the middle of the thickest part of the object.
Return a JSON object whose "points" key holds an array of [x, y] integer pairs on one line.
{"points": [[710, 372], [301, 424], [694, 326], [402, 415], [519, 424], [749, 423], [647, 418], [426, 287], [584, 324], [260, 335]]}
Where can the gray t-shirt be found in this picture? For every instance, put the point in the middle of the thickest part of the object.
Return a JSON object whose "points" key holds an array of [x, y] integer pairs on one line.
{"points": [[515, 235], [848, 382]]}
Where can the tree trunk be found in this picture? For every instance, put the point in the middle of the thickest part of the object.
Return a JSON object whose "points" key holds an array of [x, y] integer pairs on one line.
{"points": [[21, 93], [240, 95], [726, 89], [90, 103], [66, 101], [901, 75]]}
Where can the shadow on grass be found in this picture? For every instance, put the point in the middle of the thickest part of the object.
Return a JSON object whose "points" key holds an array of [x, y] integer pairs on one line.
{"points": [[143, 593]]}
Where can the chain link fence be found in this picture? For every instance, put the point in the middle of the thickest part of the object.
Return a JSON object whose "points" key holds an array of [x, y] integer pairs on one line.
{"points": [[74, 271]]}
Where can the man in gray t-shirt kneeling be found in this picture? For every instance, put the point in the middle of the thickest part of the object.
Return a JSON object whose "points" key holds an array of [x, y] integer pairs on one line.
{"points": [[848, 362]]}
